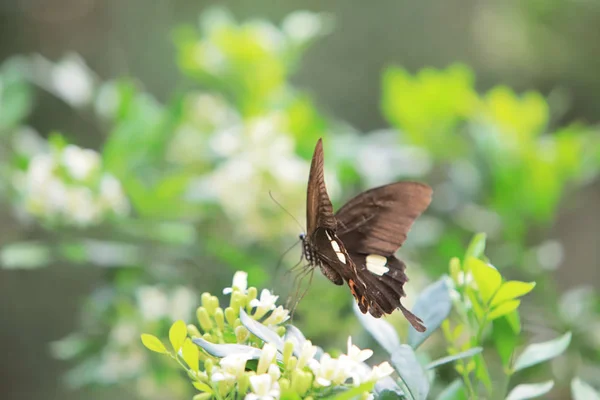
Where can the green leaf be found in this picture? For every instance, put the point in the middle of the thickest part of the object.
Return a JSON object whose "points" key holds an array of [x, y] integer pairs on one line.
{"points": [[454, 391], [540, 352], [488, 279], [223, 350], [201, 386], [511, 290], [414, 377], [454, 357], [177, 334], [505, 340], [530, 390], [354, 392], [260, 331], [481, 371], [153, 343], [383, 332], [433, 306], [191, 354], [503, 309], [582, 391], [476, 247]]}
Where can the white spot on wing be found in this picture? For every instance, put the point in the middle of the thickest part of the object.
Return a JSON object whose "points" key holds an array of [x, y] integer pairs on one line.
{"points": [[341, 257], [377, 264], [336, 246]]}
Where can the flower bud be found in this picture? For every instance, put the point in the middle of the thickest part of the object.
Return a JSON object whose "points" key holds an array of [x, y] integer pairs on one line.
{"points": [[266, 358], [241, 334], [193, 331], [204, 319], [252, 293], [205, 298], [208, 365], [288, 349], [219, 318], [230, 315]]}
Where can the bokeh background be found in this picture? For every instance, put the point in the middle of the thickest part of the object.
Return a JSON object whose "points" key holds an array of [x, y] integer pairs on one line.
{"points": [[194, 113]]}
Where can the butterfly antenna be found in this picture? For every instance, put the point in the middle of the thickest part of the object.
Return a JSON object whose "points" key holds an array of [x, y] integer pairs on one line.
{"points": [[283, 255], [286, 211]]}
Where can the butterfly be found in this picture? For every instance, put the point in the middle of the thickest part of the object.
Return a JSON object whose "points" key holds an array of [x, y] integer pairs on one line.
{"points": [[356, 245]]}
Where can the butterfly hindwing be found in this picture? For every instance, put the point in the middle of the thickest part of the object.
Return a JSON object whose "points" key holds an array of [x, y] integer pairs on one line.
{"points": [[378, 220], [383, 280]]}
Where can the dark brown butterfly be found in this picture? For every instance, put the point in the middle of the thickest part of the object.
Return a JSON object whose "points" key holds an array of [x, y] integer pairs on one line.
{"points": [[357, 244]]}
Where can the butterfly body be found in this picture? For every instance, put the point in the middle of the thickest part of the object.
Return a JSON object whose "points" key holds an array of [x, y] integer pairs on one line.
{"points": [[356, 245]]}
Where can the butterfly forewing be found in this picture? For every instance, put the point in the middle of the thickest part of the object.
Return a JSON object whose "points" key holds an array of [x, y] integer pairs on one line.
{"points": [[319, 211]]}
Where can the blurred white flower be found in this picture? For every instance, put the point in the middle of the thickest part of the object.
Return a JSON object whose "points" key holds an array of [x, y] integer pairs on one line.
{"points": [[380, 371], [356, 354], [80, 163], [153, 303], [278, 316], [275, 372], [240, 281], [301, 26], [81, 206], [264, 387], [72, 81], [183, 303], [307, 354], [266, 301], [112, 195], [232, 367], [84, 200]]}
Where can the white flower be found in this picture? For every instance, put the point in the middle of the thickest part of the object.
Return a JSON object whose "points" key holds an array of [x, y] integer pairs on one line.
{"points": [[307, 354], [278, 316], [232, 367], [266, 302], [274, 372], [81, 207], [380, 371], [330, 371], [264, 387], [80, 163], [72, 81], [152, 302], [356, 354], [111, 194], [266, 358], [240, 281]]}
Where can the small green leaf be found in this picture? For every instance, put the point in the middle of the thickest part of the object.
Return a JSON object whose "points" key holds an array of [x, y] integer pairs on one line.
{"points": [[511, 290], [530, 390], [153, 343], [354, 392], [505, 340], [476, 247], [481, 371], [504, 309], [201, 386], [177, 334], [382, 331], [454, 357], [582, 391], [488, 279], [406, 364], [191, 354], [455, 391], [540, 352], [433, 306]]}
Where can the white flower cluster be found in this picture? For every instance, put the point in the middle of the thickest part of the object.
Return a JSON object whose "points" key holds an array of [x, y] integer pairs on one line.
{"points": [[337, 371], [68, 185]]}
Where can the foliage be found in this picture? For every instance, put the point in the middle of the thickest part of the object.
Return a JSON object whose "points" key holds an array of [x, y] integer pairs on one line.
{"points": [[186, 182]]}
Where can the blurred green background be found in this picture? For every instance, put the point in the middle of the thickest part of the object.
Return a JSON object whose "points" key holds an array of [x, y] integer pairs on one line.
{"points": [[179, 112]]}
